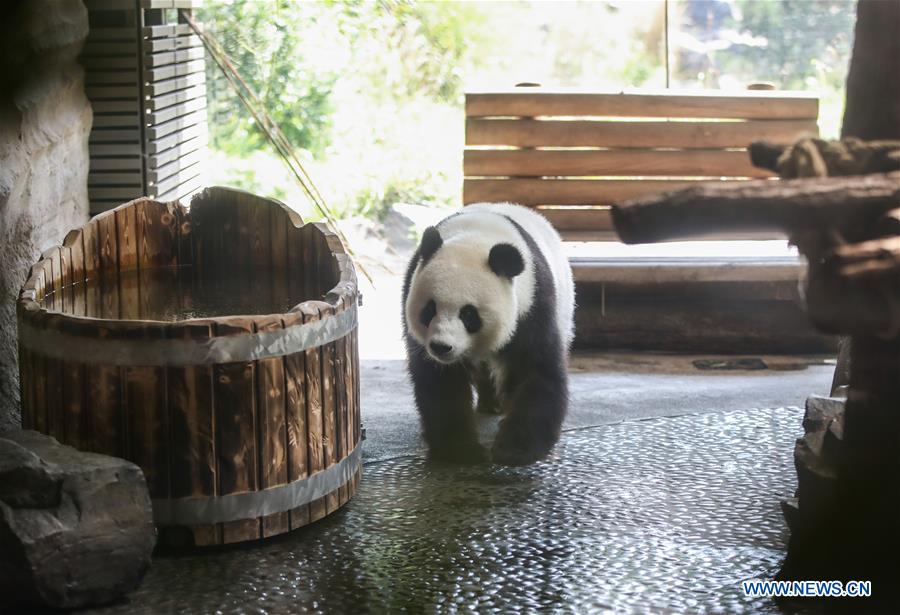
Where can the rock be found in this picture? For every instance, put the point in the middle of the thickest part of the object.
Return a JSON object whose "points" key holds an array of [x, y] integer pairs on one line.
{"points": [[76, 529], [45, 121]]}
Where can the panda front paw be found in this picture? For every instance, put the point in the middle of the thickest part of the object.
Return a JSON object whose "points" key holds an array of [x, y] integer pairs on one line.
{"points": [[516, 448], [463, 453]]}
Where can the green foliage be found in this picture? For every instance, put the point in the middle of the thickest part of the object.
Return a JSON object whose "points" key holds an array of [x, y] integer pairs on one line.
{"points": [[265, 40]]}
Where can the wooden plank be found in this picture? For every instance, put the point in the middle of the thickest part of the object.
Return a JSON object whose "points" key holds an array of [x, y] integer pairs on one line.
{"points": [[631, 134], [536, 191], [192, 428], [343, 410], [674, 270], [314, 418], [273, 462], [235, 416], [584, 219], [92, 269], [39, 419], [643, 103], [109, 266], [296, 412], [158, 233], [75, 243], [75, 418], [105, 63], [145, 401], [129, 290], [615, 163], [56, 426], [329, 411], [105, 402]]}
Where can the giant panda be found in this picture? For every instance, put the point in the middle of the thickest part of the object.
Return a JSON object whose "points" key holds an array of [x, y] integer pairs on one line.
{"points": [[488, 299]]}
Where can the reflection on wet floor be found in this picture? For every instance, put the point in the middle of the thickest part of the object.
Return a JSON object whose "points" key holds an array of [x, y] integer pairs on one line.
{"points": [[665, 514]]}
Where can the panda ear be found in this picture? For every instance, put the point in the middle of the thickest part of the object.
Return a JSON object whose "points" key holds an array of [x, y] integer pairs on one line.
{"points": [[431, 242], [505, 260]]}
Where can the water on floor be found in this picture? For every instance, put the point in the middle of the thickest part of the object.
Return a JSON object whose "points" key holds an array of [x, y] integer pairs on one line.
{"points": [[656, 515]]}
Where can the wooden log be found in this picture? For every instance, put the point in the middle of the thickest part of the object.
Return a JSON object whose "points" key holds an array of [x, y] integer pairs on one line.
{"points": [[273, 462], [640, 134], [873, 259], [708, 163], [645, 103], [790, 206], [235, 417]]}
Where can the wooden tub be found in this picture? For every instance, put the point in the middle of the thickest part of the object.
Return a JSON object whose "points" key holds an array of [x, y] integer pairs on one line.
{"points": [[246, 423]]}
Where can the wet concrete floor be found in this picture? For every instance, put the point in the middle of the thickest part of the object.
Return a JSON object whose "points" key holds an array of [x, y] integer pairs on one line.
{"points": [[662, 496]]}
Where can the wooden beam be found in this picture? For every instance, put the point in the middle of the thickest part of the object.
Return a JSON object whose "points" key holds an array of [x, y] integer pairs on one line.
{"points": [[621, 163], [537, 191], [583, 133], [663, 103]]}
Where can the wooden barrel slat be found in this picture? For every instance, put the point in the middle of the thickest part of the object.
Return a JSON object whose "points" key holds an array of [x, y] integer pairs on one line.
{"points": [[109, 266], [192, 450], [273, 465], [329, 428], [314, 421], [198, 430], [236, 442], [73, 409], [296, 411]]}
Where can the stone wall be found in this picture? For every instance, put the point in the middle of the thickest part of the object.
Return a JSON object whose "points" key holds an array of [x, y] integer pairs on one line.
{"points": [[45, 120]]}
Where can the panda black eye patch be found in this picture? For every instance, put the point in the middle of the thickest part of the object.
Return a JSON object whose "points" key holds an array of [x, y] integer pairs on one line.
{"points": [[428, 313], [468, 314]]}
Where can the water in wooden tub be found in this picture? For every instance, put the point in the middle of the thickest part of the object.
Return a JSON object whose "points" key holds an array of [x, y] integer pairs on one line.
{"points": [[174, 294]]}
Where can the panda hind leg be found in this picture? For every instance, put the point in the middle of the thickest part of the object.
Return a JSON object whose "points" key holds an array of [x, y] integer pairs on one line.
{"points": [[537, 408]]}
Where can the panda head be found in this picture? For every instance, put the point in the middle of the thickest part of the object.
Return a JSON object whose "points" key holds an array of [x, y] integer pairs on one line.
{"points": [[462, 302]]}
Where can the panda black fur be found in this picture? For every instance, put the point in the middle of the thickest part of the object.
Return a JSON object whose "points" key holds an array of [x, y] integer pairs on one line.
{"points": [[487, 302]]}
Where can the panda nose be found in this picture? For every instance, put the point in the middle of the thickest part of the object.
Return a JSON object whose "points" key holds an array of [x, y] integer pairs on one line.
{"points": [[440, 349]]}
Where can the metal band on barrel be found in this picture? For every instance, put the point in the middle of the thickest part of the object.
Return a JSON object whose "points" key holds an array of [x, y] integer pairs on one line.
{"points": [[225, 349], [237, 506]]}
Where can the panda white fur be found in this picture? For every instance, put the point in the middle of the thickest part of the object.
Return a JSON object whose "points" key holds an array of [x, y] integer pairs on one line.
{"points": [[487, 301]]}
